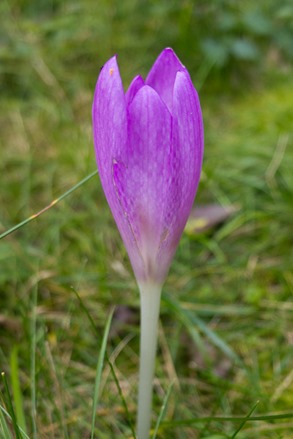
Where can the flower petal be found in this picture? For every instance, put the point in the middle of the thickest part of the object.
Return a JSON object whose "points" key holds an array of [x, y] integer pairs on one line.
{"points": [[149, 149], [185, 161], [141, 183], [163, 73], [188, 124], [109, 118], [110, 137], [135, 85]]}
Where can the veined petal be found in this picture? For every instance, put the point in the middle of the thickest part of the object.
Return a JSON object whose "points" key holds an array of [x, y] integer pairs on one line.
{"points": [[188, 123], [141, 183], [110, 138], [163, 73], [135, 85], [185, 161], [149, 149], [109, 118]]}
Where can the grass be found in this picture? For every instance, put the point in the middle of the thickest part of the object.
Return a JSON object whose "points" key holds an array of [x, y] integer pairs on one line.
{"points": [[225, 340]]}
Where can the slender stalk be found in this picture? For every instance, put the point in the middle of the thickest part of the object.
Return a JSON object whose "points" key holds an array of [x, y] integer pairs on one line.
{"points": [[150, 296]]}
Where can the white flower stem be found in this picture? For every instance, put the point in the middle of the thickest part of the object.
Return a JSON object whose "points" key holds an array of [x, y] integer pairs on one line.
{"points": [[150, 296]]}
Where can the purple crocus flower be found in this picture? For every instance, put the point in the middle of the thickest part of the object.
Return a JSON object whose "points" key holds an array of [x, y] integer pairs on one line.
{"points": [[149, 150]]}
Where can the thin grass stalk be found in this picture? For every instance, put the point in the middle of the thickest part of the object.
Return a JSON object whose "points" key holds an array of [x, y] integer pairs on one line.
{"points": [[99, 369], [33, 333]]}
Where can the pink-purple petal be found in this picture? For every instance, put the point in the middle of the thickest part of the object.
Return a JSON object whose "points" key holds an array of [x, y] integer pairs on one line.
{"points": [[163, 73], [185, 161], [187, 118], [110, 137], [135, 85], [109, 117], [141, 181], [149, 150]]}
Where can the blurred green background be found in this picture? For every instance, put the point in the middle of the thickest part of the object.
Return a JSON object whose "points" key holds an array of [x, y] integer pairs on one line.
{"points": [[226, 338]]}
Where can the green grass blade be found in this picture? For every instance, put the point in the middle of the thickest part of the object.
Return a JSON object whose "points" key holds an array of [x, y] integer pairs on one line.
{"points": [[128, 417], [85, 310], [33, 360], [10, 406], [53, 203], [162, 411], [16, 390], [185, 320], [4, 430], [244, 420], [189, 319], [95, 330], [99, 371], [264, 418], [4, 414]]}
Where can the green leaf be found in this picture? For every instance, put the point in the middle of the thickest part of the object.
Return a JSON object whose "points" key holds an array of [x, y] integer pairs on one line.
{"points": [[99, 372], [16, 390], [190, 320]]}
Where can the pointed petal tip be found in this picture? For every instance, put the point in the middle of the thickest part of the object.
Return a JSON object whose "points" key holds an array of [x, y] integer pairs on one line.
{"points": [[133, 88], [162, 75], [111, 65], [109, 78], [168, 49], [169, 54], [147, 96], [109, 111]]}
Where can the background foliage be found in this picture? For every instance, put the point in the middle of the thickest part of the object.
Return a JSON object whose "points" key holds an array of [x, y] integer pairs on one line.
{"points": [[226, 335]]}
